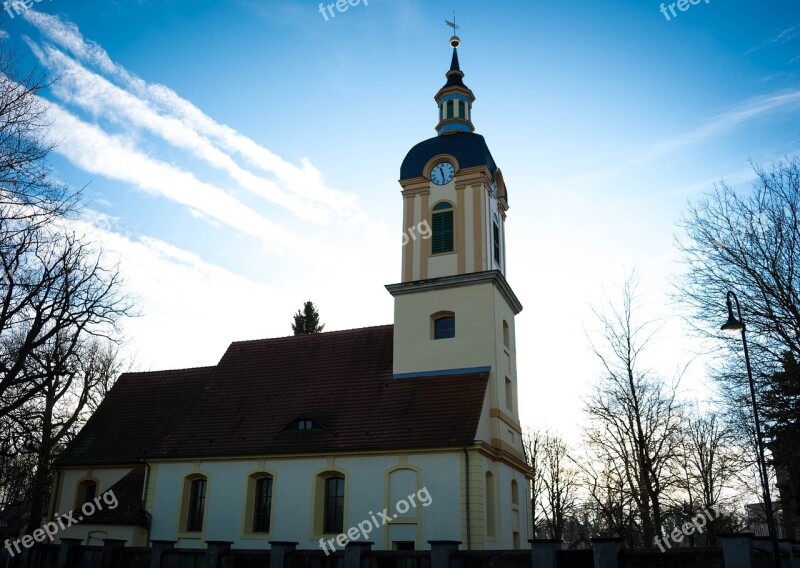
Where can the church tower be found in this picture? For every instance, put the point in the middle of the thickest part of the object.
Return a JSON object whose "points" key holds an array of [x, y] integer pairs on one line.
{"points": [[454, 310]]}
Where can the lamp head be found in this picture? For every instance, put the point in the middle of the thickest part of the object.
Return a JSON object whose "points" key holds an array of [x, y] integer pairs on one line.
{"points": [[733, 326]]}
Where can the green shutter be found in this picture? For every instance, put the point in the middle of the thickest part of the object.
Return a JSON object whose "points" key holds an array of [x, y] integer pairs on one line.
{"points": [[442, 232]]}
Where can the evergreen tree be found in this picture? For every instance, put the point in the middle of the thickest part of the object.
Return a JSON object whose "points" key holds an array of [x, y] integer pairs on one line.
{"points": [[307, 320]]}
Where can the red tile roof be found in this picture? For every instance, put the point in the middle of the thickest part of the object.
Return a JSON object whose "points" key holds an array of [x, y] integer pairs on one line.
{"points": [[137, 413], [342, 381]]}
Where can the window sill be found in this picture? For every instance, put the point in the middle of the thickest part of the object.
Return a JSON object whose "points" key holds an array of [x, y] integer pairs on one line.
{"points": [[256, 536], [433, 255]]}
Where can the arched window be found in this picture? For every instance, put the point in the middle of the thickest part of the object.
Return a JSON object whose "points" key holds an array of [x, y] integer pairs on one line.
{"points": [[496, 238], [334, 505], [490, 504], [509, 395], [442, 240], [514, 492], [450, 109], [87, 491], [506, 335], [262, 506], [462, 113], [194, 499], [443, 325]]}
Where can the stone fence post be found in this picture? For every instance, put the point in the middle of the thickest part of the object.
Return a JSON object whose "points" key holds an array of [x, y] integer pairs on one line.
{"points": [[606, 552], [543, 552], [354, 553], [157, 549], [67, 544], [110, 548], [442, 551], [278, 551], [737, 550], [214, 551]]}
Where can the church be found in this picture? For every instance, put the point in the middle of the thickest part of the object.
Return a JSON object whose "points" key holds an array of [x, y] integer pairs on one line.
{"points": [[410, 429]]}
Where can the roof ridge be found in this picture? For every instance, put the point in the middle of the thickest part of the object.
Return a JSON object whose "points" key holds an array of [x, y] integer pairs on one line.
{"points": [[168, 371], [310, 335]]}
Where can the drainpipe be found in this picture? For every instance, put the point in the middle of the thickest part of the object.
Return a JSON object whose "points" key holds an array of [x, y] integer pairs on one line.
{"points": [[466, 476], [147, 514], [54, 508]]}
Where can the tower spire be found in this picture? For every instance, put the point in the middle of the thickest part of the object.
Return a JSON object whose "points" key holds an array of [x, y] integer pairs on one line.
{"points": [[455, 98]]}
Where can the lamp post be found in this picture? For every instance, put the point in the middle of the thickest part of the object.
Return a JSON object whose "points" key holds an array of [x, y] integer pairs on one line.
{"points": [[732, 327]]}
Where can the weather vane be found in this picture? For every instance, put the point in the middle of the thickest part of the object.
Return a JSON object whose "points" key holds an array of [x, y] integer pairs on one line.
{"points": [[454, 41]]}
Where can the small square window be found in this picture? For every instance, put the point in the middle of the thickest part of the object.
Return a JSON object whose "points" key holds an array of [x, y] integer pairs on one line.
{"points": [[444, 327]]}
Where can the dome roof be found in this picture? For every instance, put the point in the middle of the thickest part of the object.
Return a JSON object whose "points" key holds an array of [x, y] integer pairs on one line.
{"points": [[468, 148]]}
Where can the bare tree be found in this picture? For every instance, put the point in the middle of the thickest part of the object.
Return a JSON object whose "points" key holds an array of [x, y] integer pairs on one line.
{"points": [[25, 176], [712, 460], [635, 417], [747, 242], [611, 508], [59, 302], [532, 442], [77, 378], [559, 479]]}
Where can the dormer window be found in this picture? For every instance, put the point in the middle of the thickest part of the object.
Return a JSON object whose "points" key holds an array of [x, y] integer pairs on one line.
{"points": [[303, 424]]}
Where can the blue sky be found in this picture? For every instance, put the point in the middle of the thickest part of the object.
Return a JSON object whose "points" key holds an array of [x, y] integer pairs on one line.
{"points": [[243, 156]]}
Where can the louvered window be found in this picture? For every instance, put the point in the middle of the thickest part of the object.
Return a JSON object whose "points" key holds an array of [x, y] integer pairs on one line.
{"points": [[442, 240]]}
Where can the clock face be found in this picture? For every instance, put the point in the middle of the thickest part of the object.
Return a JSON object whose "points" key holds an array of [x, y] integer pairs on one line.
{"points": [[442, 173]]}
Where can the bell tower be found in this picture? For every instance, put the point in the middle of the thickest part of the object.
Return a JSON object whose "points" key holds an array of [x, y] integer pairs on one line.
{"points": [[454, 310]]}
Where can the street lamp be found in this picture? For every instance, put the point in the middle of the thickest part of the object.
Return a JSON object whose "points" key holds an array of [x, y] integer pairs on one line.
{"points": [[733, 327]]}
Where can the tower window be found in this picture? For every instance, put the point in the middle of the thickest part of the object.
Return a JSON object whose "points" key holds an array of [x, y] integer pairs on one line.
{"points": [[496, 239], [461, 109], [449, 109], [444, 327], [506, 335], [509, 395], [442, 228]]}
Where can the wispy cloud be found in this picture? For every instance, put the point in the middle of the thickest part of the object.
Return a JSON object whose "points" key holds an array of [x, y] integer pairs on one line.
{"points": [[93, 93], [159, 109], [784, 36], [724, 122], [116, 157]]}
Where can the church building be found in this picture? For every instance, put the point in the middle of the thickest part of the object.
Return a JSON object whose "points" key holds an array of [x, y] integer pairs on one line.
{"points": [[410, 429]]}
